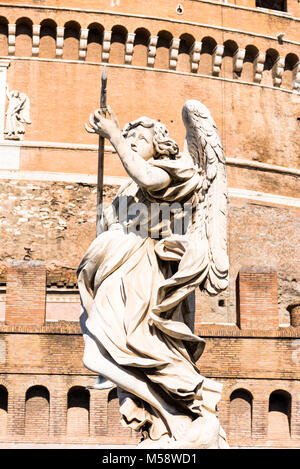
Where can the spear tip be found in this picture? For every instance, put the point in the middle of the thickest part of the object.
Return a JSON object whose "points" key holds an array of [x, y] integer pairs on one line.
{"points": [[104, 74]]}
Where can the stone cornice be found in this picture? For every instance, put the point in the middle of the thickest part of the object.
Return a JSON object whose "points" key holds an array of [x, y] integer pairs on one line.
{"points": [[238, 162]]}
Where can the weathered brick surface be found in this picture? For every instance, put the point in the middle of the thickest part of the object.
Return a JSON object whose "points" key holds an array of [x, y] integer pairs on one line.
{"points": [[26, 293], [57, 222], [258, 298], [43, 395]]}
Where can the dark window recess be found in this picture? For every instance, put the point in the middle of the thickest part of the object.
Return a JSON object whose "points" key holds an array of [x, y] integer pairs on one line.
{"points": [[272, 4]]}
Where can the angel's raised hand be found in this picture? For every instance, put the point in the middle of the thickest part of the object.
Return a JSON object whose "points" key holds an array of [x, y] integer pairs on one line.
{"points": [[102, 126]]}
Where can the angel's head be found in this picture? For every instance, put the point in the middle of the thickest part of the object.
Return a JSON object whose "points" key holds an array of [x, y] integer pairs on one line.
{"points": [[150, 139]]}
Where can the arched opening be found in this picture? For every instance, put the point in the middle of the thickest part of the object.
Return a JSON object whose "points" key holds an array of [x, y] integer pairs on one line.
{"points": [[207, 50], [247, 73], [279, 5], [3, 36], [94, 42], [230, 48], [37, 411], [291, 61], [3, 410], [279, 419], [117, 48], [271, 57], [115, 428], [140, 47], [184, 53], [71, 40], [48, 39], [240, 425], [162, 59], [78, 413], [23, 38]]}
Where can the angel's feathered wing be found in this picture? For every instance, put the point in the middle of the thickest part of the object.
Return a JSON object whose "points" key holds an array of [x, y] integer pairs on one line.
{"points": [[203, 145]]}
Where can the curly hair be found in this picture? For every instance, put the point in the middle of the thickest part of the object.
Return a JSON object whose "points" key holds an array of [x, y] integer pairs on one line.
{"points": [[163, 144]]}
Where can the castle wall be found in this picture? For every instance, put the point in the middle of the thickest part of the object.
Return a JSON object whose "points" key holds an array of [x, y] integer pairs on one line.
{"points": [[240, 60]]}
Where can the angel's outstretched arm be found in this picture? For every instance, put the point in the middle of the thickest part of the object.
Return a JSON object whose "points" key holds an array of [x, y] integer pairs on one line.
{"points": [[143, 173]]}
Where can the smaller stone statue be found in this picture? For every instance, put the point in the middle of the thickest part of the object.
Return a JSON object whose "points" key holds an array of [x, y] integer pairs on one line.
{"points": [[17, 114]]}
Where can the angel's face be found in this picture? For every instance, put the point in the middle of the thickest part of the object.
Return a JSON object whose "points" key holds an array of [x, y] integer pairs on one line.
{"points": [[140, 140]]}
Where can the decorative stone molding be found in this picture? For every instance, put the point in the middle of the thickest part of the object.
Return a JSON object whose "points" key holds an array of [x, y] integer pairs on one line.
{"points": [[238, 60], [83, 43], [195, 54], [258, 67], [152, 51], [36, 29], [11, 39], [217, 60], [296, 77], [60, 30], [4, 64], [106, 45], [174, 50], [129, 48], [277, 71]]}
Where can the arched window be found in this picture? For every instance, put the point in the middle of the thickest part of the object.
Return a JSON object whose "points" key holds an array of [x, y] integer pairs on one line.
{"points": [[71, 41], [94, 43], [279, 420], [230, 48], [247, 73], [117, 48], [184, 57], [115, 428], [291, 61], [240, 416], [78, 412], [207, 50], [162, 59], [37, 411], [140, 47], [271, 57], [23, 38], [3, 36], [272, 4], [48, 39], [3, 410]]}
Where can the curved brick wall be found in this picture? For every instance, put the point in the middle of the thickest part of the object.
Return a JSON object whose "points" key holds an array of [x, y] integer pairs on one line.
{"points": [[229, 57]]}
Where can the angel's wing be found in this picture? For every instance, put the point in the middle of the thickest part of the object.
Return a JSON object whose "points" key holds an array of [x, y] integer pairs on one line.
{"points": [[25, 109], [203, 145]]}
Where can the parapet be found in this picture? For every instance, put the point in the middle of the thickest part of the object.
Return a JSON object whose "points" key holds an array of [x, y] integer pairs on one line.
{"points": [[258, 298], [25, 293]]}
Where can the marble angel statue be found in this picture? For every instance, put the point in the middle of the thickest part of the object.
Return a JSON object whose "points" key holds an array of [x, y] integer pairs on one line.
{"points": [[17, 114], [134, 287]]}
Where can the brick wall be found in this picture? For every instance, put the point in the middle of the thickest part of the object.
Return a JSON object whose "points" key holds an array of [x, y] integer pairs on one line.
{"points": [[26, 293], [258, 298]]}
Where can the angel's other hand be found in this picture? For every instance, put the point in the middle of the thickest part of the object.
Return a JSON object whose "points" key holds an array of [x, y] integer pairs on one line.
{"points": [[99, 124]]}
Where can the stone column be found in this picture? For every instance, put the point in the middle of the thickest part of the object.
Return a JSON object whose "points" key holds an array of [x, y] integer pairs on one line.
{"points": [[129, 48], [106, 43], [152, 51], [83, 43], [217, 60], [195, 56]]}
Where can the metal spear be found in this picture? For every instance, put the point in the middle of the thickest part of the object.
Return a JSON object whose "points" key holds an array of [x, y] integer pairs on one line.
{"points": [[99, 207], [101, 155]]}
